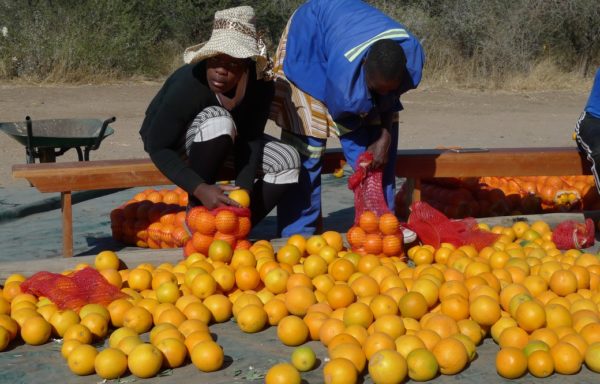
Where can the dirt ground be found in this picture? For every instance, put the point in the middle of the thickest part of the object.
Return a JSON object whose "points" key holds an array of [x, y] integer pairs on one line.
{"points": [[432, 117]]}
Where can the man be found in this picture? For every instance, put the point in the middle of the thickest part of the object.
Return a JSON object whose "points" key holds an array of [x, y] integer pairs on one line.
{"points": [[587, 129], [342, 66]]}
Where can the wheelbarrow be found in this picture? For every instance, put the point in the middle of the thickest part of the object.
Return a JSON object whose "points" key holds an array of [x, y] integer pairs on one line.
{"points": [[47, 139]]}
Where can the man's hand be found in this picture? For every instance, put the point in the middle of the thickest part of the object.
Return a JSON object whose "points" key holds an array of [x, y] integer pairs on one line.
{"points": [[213, 196], [380, 149]]}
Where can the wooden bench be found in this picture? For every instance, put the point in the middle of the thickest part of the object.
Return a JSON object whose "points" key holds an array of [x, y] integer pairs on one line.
{"points": [[413, 164]]}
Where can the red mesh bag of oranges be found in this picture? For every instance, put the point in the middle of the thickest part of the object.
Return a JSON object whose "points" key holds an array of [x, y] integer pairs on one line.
{"points": [[572, 234], [74, 290], [230, 224], [376, 235], [368, 188]]}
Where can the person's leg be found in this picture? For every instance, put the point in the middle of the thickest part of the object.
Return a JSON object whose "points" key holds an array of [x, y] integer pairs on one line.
{"points": [[280, 170], [299, 211], [587, 133], [357, 141], [208, 143]]}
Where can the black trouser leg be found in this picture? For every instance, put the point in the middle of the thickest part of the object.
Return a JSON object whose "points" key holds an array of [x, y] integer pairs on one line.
{"points": [[264, 198], [206, 159]]}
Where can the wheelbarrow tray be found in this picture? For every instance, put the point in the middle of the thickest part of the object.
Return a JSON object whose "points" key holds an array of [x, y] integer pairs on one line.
{"points": [[57, 133]]}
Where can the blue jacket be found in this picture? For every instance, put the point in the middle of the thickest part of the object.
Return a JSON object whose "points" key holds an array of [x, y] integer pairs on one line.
{"points": [[326, 43], [593, 105]]}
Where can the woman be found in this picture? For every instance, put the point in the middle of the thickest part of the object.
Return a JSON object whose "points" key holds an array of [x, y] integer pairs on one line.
{"points": [[214, 109]]}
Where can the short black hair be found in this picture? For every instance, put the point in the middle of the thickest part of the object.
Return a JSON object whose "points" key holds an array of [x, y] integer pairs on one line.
{"points": [[386, 59]]}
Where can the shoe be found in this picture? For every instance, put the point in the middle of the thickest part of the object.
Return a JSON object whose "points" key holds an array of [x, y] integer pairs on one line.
{"points": [[408, 236]]}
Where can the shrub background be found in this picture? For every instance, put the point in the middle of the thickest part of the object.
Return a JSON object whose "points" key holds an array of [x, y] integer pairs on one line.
{"points": [[471, 43]]}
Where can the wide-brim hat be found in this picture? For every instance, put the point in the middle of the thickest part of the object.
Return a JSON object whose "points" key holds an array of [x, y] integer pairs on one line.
{"points": [[233, 34]]}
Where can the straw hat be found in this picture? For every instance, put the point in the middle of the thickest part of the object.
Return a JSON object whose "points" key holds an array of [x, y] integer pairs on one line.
{"points": [[233, 34]]}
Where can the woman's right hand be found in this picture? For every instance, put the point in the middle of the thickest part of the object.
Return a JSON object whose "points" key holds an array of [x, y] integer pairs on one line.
{"points": [[213, 196]]}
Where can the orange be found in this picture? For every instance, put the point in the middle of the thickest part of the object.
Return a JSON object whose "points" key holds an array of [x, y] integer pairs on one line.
{"points": [[545, 335], [110, 363], [226, 222], [567, 359], [207, 356], [220, 250], [204, 285], [468, 344], [303, 358], [127, 343], [341, 269], [530, 315], [168, 292], [377, 341], [243, 300], [36, 331], [340, 296], [373, 244], [299, 241], [339, 371], [388, 366], [443, 325], [81, 359], [557, 316], [313, 321], [451, 355], [68, 346], [591, 333], [391, 325], [145, 360], [119, 334], [299, 299], [350, 351], [138, 318], [511, 362], [62, 320], [197, 311], [117, 309], [241, 197], [563, 282], [106, 260], [190, 326], [159, 333], [330, 328], [408, 343], [292, 331], [78, 332], [455, 306], [421, 365], [369, 222], [358, 314], [513, 337], [471, 329], [334, 240], [220, 307], [592, 357], [314, 244], [252, 318], [388, 224], [289, 254], [485, 310], [97, 324], [364, 286], [413, 305], [356, 237], [282, 373], [174, 352], [382, 305], [139, 279], [247, 278], [540, 363]]}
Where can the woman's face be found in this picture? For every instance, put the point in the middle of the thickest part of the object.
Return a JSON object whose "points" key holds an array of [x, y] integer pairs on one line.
{"points": [[223, 72]]}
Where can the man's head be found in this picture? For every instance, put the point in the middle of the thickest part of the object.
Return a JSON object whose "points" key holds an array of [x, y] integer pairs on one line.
{"points": [[385, 67]]}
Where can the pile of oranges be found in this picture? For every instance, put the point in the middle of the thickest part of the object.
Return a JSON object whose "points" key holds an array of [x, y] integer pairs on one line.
{"points": [[376, 235], [373, 313], [152, 219]]}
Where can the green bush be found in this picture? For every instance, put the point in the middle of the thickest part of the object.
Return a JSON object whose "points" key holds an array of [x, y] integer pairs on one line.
{"points": [[467, 40]]}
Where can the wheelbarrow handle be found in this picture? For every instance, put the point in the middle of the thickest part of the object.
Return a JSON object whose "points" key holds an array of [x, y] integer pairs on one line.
{"points": [[101, 134]]}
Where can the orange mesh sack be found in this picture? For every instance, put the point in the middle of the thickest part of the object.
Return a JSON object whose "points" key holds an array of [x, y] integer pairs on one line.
{"points": [[433, 228], [368, 188], [572, 234], [73, 291]]}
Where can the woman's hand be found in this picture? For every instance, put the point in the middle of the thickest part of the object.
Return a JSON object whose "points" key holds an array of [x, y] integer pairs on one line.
{"points": [[213, 196], [380, 149]]}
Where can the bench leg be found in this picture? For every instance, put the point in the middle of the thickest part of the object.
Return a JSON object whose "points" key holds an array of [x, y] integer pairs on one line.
{"points": [[67, 218], [416, 194]]}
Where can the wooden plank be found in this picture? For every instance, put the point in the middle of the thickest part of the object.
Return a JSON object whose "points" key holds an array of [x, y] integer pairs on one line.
{"points": [[67, 223], [550, 161]]}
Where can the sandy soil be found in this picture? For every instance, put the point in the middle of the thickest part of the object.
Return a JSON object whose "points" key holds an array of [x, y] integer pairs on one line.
{"points": [[432, 117]]}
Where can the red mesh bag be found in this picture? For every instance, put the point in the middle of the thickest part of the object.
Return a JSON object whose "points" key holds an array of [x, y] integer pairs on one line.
{"points": [[572, 234], [239, 212], [73, 291], [367, 186], [433, 228]]}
